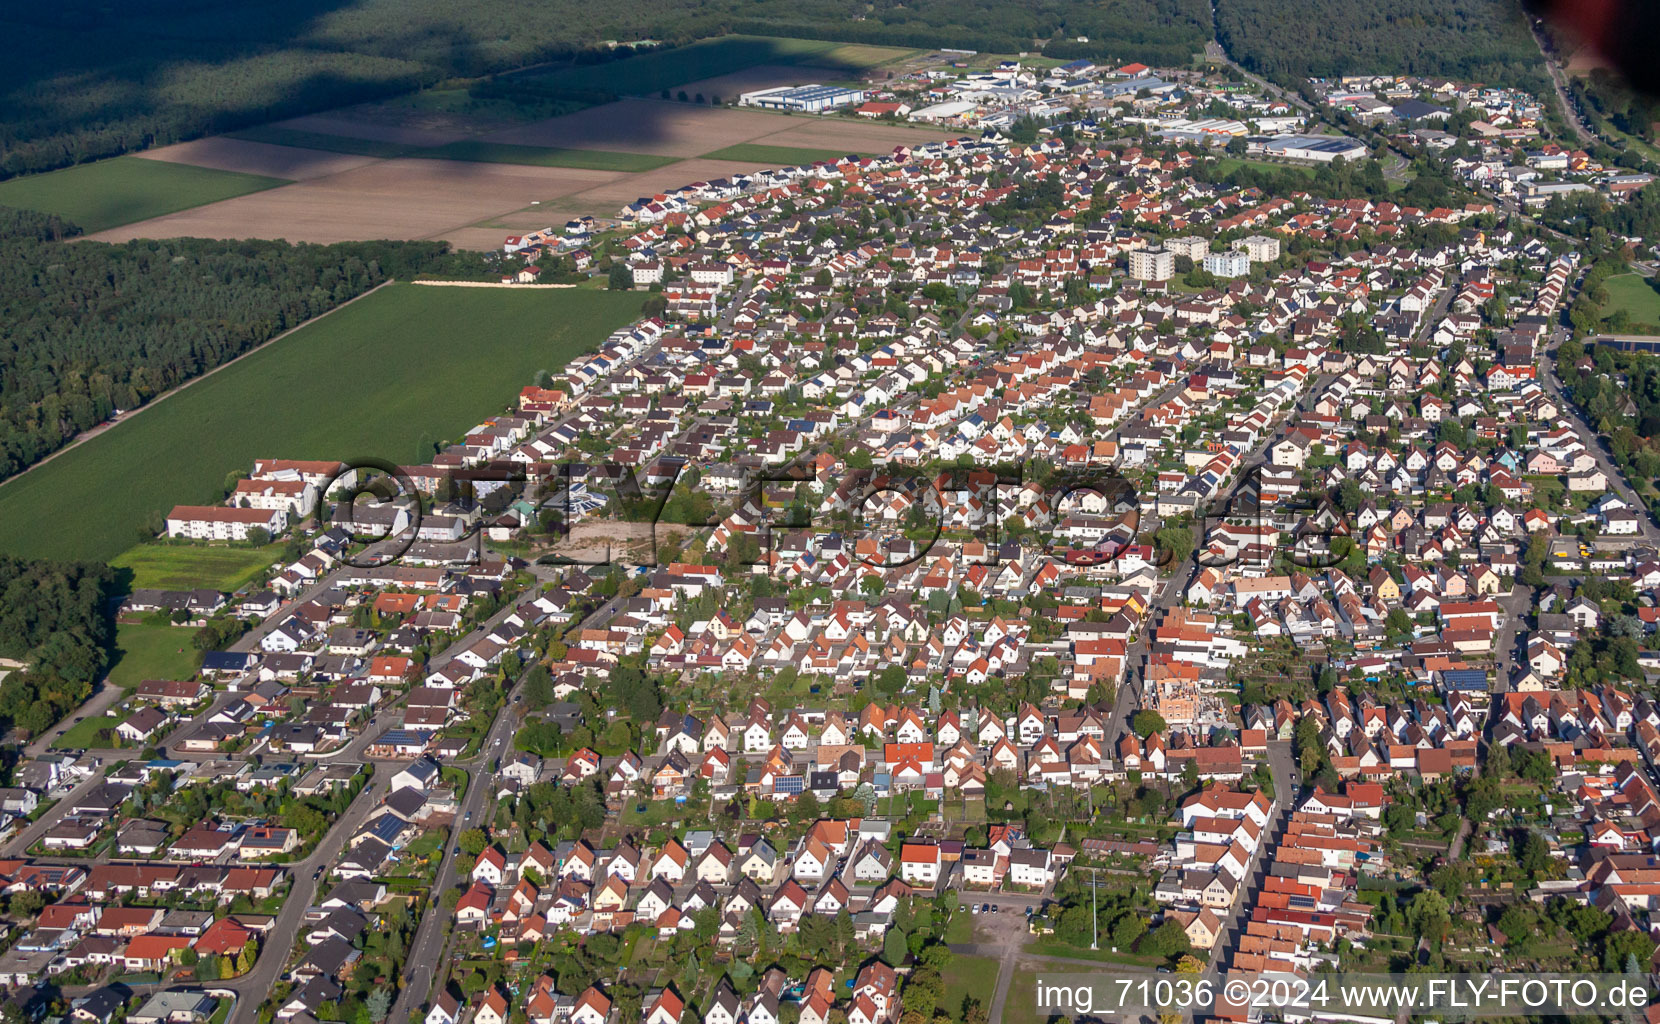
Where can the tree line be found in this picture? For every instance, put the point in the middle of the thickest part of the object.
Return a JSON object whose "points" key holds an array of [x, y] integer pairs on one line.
{"points": [[1153, 31], [1469, 40], [54, 617], [90, 329], [85, 80]]}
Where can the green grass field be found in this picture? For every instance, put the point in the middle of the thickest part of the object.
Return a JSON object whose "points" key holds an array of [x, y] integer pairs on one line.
{"points": [[1048, 945], [193, 566], [1021, 1005], [84, 733], [110, 193], [1634, 294], [143, 651], [473, 151], [279, 136], [961, 928], [405, 365], [1228, 163], [969, 977], [778, 156]]}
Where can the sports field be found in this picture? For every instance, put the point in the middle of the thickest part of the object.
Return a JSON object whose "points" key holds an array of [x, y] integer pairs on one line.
{"points": [[1636, 295], [192, 566], [127, 189], [1228, 163], [473, 150], [376, 378]]}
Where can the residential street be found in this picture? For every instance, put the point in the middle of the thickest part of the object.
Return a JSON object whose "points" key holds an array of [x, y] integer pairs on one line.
{"points": [[427, 962], [1598, 447], [1282, 768], [750, 796], [252, 987]]}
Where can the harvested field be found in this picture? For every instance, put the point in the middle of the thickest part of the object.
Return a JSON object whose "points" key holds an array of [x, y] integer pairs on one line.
{"points": [[419, 168], [479, 239], [661, 127], [847, 62], [671, 128], [227, 154], [390, 199]]}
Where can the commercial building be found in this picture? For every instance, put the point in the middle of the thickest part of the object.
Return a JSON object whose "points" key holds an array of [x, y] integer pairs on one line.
{"points": [[808, 99], [1319, 148]]}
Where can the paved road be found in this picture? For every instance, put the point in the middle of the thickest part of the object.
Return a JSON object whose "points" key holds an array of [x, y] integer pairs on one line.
{"points": [[1559, 82], [1509, 644], [1649, 531], [1216, 51], [100, 701], [250, 640], [428, 958], [21, 842], [1285, 799], [1003, 936], [252, 987], [1129, 695]]}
